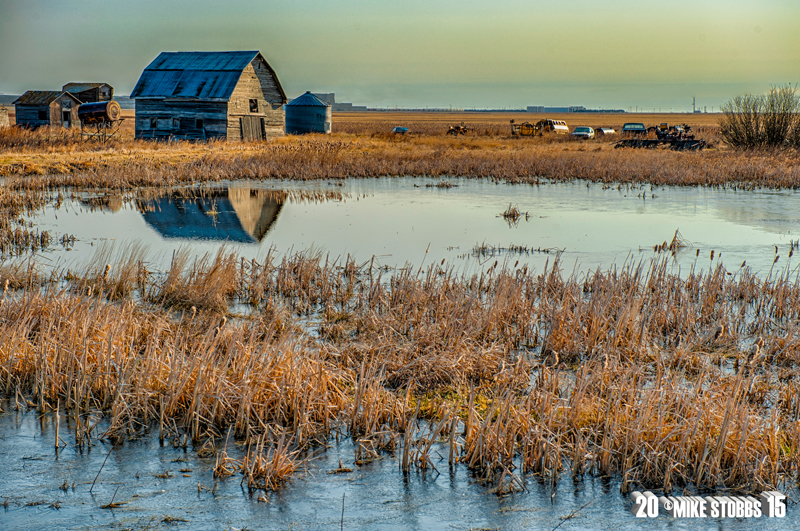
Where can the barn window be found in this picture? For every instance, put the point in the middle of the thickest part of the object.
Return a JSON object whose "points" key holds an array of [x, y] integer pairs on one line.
{"points": [[153, 123], [42, 114], [253, 105], [198, 123], [176, 123]]}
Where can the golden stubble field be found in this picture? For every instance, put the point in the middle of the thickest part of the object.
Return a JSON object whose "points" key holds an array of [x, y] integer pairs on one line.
{"points": [[365, 135], [477, 119]]}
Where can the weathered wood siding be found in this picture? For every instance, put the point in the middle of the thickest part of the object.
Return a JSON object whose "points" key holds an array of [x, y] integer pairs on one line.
{"points": [[255, 83], [178, 119], [28, 115], [62, 105]]}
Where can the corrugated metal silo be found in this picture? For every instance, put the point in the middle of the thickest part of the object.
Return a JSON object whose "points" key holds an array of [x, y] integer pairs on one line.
{"points": [[307, 114]]}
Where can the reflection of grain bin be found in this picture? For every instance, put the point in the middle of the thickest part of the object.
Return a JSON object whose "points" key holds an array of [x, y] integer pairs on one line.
{"points": [[307, 114], [3, 116]]}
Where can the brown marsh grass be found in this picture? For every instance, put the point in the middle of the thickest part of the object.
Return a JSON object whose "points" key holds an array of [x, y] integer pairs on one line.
{"points": [[663, 381], [365, 150]]}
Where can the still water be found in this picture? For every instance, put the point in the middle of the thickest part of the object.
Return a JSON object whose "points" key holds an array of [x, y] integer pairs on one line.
{"points": [[398, 221], [401, 221], [164, 487]]}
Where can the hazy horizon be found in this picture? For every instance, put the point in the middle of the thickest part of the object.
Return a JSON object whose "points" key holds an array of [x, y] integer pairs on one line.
{"points": [[467, 54]]}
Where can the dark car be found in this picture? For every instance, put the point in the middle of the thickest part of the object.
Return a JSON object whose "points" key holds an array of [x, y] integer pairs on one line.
{"points": [[634, 129]]}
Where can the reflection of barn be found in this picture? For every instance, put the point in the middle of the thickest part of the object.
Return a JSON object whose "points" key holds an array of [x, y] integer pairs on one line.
{"points": [[37, 108], [236, 214], [199, 95]]}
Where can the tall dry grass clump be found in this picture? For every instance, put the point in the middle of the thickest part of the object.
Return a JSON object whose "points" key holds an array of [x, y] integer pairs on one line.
{"points": [[666, 381]]}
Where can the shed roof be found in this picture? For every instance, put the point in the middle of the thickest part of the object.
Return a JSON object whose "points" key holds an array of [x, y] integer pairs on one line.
{"points": [[308, 100], [42, 97], [195, 75], [80, 87]]}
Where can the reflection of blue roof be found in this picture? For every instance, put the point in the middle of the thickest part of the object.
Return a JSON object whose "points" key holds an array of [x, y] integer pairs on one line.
{"points": [[198, 218]]}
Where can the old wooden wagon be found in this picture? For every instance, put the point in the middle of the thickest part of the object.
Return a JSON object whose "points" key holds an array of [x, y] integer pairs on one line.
{"points": [[203, 95]]}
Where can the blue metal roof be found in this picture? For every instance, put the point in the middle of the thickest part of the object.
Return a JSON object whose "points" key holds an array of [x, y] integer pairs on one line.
{"points": [[193, 75], [308, 100], [207, 61]]}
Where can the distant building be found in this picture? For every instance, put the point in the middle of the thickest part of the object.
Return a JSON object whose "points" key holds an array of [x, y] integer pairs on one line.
{"points": [[348, 107], [37, 108], [3, 116], [536, 108], [90, 92], [330, 99], [573, 108], [200, 95]]}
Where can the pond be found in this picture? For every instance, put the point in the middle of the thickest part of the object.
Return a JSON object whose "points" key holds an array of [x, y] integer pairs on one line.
{"points": [[413, 221], [395, 221], [170, 487]]}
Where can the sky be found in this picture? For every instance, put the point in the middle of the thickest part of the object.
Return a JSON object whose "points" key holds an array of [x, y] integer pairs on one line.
{"points": [[625, 54]]}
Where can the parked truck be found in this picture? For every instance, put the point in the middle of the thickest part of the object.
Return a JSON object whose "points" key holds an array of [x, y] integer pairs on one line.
{"points": [[540, 128]]}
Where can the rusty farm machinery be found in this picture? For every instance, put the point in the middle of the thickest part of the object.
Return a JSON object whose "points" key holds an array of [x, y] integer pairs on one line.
{"points": [[675, 137]]}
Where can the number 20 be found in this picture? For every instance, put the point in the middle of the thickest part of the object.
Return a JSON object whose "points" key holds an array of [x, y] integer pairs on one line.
{"points": [[644, 505]]}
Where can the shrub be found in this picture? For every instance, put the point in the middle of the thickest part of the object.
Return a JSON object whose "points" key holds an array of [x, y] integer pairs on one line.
{"points": [[768, 120]]}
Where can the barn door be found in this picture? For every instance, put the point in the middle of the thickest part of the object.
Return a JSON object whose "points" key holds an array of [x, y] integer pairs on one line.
{"points": [[251, 128]]}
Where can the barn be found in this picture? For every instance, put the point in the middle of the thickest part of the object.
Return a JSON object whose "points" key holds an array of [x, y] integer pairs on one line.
{"points": [[201, 95], [90, 92], [37, 108]]}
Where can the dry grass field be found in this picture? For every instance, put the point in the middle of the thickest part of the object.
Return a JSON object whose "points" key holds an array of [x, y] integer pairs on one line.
{"points": [[363, 146], [499, 123]]}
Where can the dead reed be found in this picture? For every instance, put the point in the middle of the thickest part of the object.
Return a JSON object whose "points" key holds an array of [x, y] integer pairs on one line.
{"points": [[664, 381], [130, 164]]}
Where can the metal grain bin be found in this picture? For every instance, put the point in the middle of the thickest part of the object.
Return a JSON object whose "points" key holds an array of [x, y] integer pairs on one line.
{"points": [[98, 112], [307, 114]]}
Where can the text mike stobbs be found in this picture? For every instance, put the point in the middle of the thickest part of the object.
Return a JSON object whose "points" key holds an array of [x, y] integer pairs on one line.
{"points": [[770, 504]]}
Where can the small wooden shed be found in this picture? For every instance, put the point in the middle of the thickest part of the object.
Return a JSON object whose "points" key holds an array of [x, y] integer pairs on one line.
{"points": [[37, 108], [90, 92], [201, 95]]}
